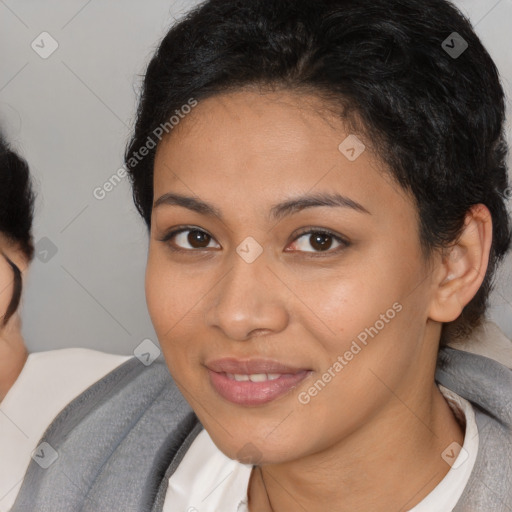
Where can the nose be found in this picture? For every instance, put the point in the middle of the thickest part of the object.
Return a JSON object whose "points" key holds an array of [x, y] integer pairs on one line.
{"points": [[249, 301]]}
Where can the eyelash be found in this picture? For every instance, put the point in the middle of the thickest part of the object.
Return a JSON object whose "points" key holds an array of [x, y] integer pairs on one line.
{"points": [[305, 231]]}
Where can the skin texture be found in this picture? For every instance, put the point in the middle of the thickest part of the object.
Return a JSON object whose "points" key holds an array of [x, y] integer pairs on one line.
{"points": [[13, 352], [372, 438]]}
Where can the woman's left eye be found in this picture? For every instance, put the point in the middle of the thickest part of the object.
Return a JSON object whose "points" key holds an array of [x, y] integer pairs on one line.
{"points": [[320, 241]]}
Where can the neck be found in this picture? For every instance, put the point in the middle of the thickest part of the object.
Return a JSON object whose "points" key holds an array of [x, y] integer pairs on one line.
{"points": [[392, 463]]}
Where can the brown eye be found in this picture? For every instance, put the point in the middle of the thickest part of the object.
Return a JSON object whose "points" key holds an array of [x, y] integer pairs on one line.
{"points": [[318, 241], [188, 239], [198, 238]]}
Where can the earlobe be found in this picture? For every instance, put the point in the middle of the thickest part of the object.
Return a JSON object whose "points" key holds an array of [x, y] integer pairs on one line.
{"points": [[462, 267]]}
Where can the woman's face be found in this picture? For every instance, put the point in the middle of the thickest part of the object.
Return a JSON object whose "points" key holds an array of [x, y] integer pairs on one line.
{"points": [[293, 305]]}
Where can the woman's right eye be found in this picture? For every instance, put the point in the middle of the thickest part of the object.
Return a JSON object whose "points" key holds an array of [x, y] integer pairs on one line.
{"points": [[196, 239]]}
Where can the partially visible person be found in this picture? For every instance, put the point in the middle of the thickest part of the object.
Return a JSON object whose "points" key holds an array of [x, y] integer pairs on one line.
{"points": [[34, 387], [16, 251]]}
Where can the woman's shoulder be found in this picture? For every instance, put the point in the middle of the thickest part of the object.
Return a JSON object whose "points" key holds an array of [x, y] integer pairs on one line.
{"points": [[129, 424], [78, 367], [487, 340], [50, 380], [480, 372]]}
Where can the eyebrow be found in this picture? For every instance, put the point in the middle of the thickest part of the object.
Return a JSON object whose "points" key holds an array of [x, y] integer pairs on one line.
{"points": [[277, 211]]}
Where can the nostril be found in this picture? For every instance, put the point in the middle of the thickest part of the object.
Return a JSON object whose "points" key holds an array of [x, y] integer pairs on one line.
{"points": [[259, 332]]}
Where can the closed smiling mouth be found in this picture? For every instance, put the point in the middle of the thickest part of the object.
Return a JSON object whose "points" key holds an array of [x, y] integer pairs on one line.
{"points": [[253, 382]]}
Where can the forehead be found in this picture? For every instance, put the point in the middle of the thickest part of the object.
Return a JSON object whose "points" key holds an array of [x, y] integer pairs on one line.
{"points": [[246, 147], [248, 130]]}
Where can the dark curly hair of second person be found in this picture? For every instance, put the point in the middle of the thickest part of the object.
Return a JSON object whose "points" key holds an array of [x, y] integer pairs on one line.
{"points": [[437, 121]]}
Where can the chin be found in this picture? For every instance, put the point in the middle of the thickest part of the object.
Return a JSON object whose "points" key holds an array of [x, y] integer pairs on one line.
{"points": [[255, 449]]}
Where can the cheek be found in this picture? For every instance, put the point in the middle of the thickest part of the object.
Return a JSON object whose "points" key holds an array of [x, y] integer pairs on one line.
{"points": [[163, 294], [155, 299], [173, 300], [167, 291], [344, 302], [375, 305]]}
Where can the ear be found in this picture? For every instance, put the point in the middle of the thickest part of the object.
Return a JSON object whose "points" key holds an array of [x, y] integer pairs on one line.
{"points": [[15, 254], [463, 266]]}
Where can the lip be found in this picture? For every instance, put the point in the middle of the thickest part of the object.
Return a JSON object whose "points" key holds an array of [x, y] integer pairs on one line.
{"points": [[248, 393]]}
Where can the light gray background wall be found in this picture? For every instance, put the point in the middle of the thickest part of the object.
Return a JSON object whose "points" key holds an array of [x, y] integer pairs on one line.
{"points": [[70, 115]]}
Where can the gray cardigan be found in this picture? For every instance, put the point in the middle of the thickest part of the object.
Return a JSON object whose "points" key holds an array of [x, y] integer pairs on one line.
{"points": [[120, 441]]}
